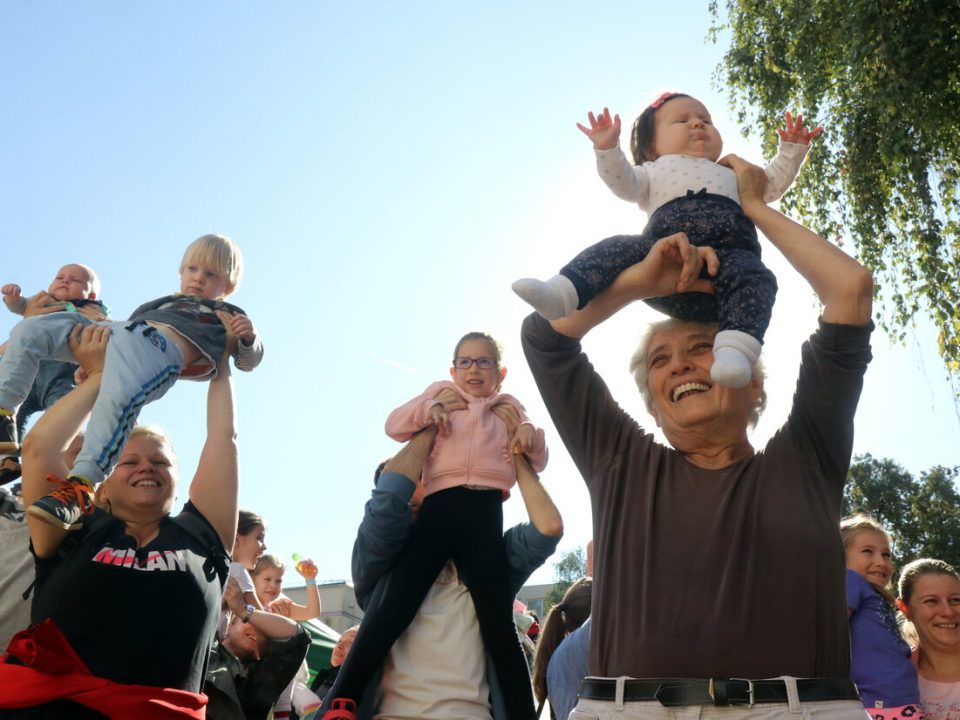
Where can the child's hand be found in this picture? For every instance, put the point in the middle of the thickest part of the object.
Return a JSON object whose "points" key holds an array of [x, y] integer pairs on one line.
{"points": [[437, 415], [226, 319], [307, 568], [795, 132], [281, 606], [526, 438], [11, 293], [604, 130], [243, 328]]}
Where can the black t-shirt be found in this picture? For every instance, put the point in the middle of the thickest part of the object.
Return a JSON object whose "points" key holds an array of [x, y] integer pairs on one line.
{"points": [[144, 616]]}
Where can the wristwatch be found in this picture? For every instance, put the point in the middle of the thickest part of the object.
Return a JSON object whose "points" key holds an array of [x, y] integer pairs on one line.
{"points": [[248, 612]]}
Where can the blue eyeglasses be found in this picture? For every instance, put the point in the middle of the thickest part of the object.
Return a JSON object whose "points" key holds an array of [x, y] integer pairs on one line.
{"points": [[484, 363]]}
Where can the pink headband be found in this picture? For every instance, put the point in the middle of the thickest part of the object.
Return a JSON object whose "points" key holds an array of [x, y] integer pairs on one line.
{"points": [[662, 99]]}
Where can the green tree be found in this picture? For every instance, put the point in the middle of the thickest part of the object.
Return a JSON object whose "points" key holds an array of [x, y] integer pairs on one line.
{"points": [[567, 570], [884, 80], [922, 514]]}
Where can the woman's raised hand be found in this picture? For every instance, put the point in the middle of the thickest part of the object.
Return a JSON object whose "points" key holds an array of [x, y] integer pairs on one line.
{"points": [[751, 181], [673, 265], [604, 130], [89, 346]]}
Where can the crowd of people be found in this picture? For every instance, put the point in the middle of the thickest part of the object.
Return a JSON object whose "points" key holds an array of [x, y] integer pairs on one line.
{"points": [[718, 589]]}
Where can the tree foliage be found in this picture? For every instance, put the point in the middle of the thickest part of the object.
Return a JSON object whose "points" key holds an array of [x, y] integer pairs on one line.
{"points": [[883, 77], [922, 514], [567, 570]]}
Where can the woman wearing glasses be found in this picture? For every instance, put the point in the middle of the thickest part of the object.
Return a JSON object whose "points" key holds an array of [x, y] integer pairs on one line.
{"points": [[465, 480]]}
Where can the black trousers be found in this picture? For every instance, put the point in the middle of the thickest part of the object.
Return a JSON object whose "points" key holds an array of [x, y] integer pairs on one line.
{"points": [[466, 526]]}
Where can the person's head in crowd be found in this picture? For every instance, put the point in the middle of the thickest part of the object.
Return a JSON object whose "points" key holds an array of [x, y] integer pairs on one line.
{"points": [[145, 477], [211, 267], [243, 641], [669, 343], [930, 600], [268, 578], [476, 365], [534, 632], [563, 618], [249, 545], [75, 282], [867, 547], [342, 648]]}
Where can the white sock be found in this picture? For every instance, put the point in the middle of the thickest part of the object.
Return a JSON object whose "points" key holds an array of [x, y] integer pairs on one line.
{"points": [[554, 299], [734, 355]]}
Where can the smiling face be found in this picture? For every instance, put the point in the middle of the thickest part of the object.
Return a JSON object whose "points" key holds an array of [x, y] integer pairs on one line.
{"points": [[342, 648], [683, 126], [248, 548], [474, 380], [144, 482], [268, 583], [241, 639], [934, 609], [868, 553], [683, 397], [73, 282]]}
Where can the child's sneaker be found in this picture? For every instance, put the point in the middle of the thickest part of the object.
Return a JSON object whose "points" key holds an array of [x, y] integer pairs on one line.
{"points": [[65, 507], [341, 709], [9, 444]]}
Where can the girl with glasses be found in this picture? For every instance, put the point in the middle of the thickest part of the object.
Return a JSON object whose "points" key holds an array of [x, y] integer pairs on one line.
{"points": [[465, 481]]}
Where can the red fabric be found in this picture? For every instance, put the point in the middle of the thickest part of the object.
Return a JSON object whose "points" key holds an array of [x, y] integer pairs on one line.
{"points": [[662, 99], [52, 670]]}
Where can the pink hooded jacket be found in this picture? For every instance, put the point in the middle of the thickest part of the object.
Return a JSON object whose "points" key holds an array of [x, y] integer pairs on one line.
{"points": [[476, 451]]}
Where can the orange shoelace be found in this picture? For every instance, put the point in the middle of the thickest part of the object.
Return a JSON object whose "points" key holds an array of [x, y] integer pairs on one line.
{"points": [[73, 492]]}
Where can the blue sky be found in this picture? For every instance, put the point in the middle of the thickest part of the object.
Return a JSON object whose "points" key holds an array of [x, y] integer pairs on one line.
{"points": [[387, 169]]}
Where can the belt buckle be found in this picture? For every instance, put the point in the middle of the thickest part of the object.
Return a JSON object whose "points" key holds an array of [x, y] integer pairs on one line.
{"points": [[724, 700]]}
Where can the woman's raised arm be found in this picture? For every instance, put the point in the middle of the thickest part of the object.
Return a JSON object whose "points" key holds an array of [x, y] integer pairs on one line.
{"points": [[215, 486], [844, 286], [45, 444]]}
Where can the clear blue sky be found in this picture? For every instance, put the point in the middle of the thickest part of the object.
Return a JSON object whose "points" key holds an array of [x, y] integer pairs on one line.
{"points": [[388, 169]]}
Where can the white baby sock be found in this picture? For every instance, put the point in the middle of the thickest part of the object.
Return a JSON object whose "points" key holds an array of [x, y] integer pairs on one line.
{"points": [[554, 299], [734, 355]]}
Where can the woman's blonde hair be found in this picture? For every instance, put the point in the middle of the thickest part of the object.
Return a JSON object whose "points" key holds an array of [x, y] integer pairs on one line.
{"points": [[219, 252]]}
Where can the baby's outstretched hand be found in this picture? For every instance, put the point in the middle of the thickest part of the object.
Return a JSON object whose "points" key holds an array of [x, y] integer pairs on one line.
{"points": [[794, 131], [11, 292], [604, 130]]}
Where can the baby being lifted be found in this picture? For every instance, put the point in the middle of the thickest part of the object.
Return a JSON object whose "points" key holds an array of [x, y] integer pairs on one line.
{"points": [[183, 335]]}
